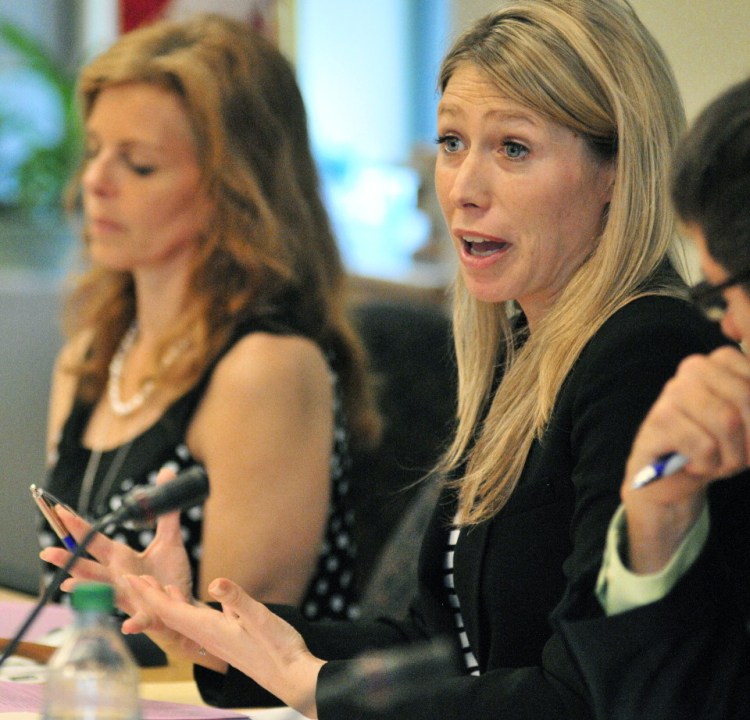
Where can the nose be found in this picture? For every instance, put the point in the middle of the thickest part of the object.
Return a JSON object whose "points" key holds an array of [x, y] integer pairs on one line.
{"points": [[470, 186], [98, 178]]}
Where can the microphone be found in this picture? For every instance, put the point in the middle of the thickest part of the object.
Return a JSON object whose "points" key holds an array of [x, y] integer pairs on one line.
{"points": [[143, 505], [384, 679]]}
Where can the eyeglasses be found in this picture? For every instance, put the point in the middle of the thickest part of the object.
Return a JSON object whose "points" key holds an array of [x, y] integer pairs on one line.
{"points": [[708, 298]]}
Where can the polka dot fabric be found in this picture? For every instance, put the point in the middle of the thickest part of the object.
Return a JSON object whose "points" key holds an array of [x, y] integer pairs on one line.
{"points": [[331, 592]]}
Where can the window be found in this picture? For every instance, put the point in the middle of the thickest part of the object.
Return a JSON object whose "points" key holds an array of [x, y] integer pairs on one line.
{"points": [[367, 72]]}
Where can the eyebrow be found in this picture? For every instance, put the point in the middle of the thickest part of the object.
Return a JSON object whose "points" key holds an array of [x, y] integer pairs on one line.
{"points": [[129, 143], [454, 110]]}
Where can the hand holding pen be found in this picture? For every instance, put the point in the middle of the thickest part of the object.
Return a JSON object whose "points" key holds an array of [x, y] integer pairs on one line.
{"points": [[705, 407], [663, 466]]}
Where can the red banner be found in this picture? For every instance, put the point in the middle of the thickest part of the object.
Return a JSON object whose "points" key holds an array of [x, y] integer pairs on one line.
{"points": [[139, 12], [261, 15]]}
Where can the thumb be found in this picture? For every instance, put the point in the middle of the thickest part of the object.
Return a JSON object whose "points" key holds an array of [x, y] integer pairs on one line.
{"points": [[231, 595], [168, 525], [165, 475]]}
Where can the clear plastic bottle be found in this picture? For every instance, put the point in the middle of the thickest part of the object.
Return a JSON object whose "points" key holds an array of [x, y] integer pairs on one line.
{"points": [[92, 675]]}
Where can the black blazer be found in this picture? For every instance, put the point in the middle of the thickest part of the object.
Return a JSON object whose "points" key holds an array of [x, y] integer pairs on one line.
{"points": [[546, 544]]}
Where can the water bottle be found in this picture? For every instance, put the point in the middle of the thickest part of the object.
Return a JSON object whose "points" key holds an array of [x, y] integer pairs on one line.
{"points": [[92, 675]]}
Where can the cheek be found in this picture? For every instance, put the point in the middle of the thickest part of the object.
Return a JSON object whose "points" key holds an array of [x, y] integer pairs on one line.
{"points": [[185, 207], [442, 190], [580, 214]]}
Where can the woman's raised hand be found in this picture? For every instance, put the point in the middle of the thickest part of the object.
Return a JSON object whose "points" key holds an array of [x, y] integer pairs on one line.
{"points": [[165, 558], [245, 634]]}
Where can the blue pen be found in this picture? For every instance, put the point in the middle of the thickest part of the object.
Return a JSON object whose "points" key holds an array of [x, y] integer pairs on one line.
{"points": [[46, 503], [667, 464]]}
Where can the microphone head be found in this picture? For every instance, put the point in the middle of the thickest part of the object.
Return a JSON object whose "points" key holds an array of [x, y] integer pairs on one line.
{"points": [[143, 505]]}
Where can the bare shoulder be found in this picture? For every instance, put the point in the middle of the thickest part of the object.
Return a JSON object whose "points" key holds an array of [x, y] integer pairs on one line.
{"points": [[263, 362], [277, 384]]}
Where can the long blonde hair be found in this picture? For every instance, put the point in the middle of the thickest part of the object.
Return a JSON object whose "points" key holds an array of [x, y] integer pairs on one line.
{"points": [[269, 253], [591, 66]]}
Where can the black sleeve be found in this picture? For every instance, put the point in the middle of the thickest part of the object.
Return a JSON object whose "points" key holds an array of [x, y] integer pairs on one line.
{"points": [[327, 639]]}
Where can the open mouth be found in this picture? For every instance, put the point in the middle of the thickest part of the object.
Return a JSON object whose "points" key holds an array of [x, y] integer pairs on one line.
{"points": [[479, 247]]}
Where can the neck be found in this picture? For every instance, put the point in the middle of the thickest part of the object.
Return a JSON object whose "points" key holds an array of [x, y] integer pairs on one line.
{"points": [[161, 299]]}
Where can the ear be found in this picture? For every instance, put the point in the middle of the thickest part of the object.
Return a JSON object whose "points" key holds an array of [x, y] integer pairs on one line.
{"points": [[608, 171]]}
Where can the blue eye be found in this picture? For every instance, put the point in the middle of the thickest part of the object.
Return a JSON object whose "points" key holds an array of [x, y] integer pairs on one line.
{"points": [[514, 150], [450, 143]]}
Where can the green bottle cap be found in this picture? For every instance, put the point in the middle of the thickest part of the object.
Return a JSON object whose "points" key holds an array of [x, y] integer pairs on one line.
{"points": [[93, 597]]}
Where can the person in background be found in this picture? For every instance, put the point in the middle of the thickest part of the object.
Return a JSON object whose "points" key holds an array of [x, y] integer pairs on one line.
{"points": [[556, 126], [674, 586], [210, 325]]}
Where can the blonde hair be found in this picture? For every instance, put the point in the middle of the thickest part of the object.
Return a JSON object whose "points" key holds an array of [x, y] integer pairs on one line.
{"points": [[591, 66], [269, 253]]}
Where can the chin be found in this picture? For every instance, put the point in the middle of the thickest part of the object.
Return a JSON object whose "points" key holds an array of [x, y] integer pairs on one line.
{"points": [[105, 260], [486, 293]]}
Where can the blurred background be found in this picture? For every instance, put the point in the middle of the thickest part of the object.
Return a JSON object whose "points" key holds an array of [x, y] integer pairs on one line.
{"points": [[367, 71]]}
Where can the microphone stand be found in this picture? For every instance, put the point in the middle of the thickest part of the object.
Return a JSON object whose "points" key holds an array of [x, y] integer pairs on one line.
{"points": [[53, 587]]}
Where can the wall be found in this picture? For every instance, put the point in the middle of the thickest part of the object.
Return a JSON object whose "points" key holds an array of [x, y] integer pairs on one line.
{"points": [[29, 339], [705, 40]]}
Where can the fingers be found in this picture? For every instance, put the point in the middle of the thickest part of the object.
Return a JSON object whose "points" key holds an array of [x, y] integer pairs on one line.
{"points": [[73, 522], [732, 385], [703, 413], [168, 529], [137, 623], [169, 606], [100, 546], [166, 474], [229, 593], [82, 570], [142, 618], [144, 615], [168, 525], [146, 619]]}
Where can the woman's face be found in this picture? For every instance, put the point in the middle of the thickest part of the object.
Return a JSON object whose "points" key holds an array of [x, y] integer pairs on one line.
{"points": [[142, 197], [523, 197]]}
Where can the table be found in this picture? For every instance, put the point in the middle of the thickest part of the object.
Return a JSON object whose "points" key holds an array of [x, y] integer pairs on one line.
{"points": [[173, 681]]}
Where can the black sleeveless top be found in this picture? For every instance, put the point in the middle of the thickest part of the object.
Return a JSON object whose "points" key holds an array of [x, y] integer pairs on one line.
{"points": [[331, 592]]}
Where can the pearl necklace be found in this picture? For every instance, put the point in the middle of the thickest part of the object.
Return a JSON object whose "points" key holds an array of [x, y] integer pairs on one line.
{"points": [[120, 407]]}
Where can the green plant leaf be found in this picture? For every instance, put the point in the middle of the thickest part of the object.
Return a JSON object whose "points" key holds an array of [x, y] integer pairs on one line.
{"points": [[44, 174]]}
